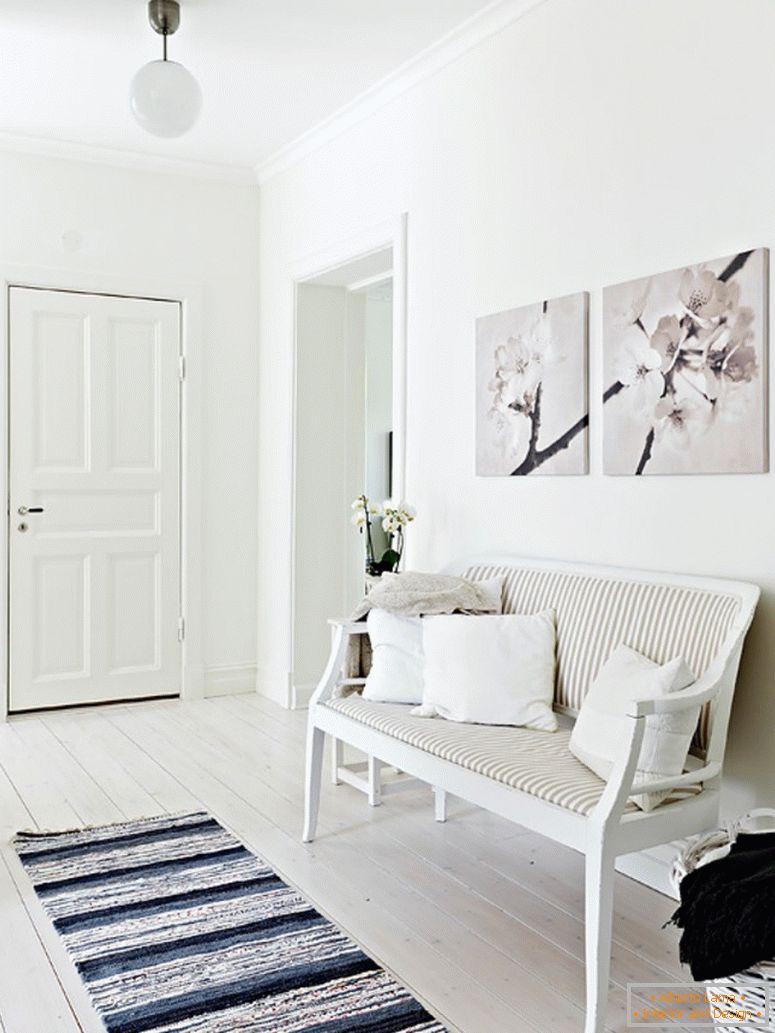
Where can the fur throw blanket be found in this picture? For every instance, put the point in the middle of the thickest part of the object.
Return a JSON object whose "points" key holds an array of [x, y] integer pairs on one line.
{"points": [[727, 910], [414, 594]]}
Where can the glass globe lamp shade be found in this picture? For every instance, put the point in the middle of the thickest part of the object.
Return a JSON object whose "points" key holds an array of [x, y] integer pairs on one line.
{"points": [[166, 99]]}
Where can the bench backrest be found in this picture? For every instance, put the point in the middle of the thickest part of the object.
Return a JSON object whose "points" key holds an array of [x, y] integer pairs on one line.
{"points": [[598, 608]]}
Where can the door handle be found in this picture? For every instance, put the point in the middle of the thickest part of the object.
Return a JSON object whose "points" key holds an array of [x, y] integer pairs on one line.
{"points": [[24, 510]]}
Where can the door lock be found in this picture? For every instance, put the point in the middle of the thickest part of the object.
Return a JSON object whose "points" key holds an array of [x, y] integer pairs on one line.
{"points": [[24, 527]]}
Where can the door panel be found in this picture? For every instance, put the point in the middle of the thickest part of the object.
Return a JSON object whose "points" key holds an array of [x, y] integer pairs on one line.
{"points": [[134, 598], [133, 358], [59, 360], [94, 443], [61, 643]]}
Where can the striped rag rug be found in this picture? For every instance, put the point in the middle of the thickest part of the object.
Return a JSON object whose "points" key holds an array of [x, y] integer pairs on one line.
{"points": [[175, 927]]}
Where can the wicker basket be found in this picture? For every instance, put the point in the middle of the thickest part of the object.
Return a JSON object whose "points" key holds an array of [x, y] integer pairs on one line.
{"points": [[760, 980]]}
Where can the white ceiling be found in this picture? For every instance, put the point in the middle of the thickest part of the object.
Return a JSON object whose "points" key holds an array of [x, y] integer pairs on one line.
{"points": [[269, 69]]}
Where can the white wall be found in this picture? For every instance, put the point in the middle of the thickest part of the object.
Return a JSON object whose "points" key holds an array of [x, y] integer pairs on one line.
{"points": [[590, 142], [344, 355], [322, 532], [143, 225], [378, 341]]}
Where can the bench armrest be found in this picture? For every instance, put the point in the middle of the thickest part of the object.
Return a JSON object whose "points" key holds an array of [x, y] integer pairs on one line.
{"points": [[620, 785], [696, 695], [687, 778]]}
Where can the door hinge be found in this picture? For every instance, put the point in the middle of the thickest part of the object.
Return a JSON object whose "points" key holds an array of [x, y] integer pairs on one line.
{"points": [[181, 628], [182, 368]]}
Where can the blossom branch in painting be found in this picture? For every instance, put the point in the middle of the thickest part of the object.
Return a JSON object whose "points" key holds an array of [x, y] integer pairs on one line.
{"points": [[688, 368], [539, 374]]}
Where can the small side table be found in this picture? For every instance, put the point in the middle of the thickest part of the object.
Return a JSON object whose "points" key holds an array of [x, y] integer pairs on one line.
{"points": [[367, 776]]}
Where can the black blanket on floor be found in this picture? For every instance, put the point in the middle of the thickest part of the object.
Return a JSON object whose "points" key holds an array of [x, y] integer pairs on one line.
{"points": [[727, 910]]}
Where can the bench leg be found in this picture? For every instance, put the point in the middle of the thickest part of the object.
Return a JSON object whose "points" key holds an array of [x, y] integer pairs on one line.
{"points": [[315, 742], [599, 890], [375, 782], [440, 803], [337, 756]]}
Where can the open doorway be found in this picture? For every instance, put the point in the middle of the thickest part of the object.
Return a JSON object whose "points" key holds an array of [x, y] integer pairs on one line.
{"points": [[347, 404]]}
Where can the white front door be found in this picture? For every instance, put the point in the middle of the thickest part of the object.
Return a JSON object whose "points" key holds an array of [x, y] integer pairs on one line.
{"points": [[94, 494]]}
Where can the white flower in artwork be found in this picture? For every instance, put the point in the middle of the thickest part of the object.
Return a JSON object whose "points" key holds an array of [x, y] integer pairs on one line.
{"points": [[546, 345], [511, 433], [638, 367], [741, 330], [667, 339], [531, 383], [691, 371], [513, 358], [631, 313], [680, 421], [518, 369], [704, 296], [740, 365]]}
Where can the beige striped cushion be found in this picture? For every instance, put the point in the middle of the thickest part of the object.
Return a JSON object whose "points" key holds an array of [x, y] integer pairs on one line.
{"points": [[596, 614], [538, 763]]}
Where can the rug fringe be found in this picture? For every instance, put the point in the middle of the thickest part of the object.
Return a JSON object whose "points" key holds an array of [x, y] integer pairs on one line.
{"points": [[25, 835]]}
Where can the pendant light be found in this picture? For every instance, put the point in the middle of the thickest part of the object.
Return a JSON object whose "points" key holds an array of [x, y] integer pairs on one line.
{"points": [[165, 97]]}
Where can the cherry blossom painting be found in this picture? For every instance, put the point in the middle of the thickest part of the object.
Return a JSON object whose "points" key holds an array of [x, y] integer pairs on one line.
{"points": [[532, 412], [685, 359]]}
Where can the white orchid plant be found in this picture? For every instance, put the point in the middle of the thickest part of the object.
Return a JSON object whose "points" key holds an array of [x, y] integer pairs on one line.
{"points": [[395, 517], [689, 369]]}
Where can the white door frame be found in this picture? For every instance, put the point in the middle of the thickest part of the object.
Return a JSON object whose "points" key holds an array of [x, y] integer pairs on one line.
{"points": [[390, 234], [189, 296]]}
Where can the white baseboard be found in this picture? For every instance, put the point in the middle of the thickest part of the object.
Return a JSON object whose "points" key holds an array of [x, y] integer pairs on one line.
{"points": [[229, 680]]}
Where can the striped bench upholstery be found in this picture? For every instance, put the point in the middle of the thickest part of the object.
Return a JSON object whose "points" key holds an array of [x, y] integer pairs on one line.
{"points": [[538, 763], [531, 778], [596, 614]]}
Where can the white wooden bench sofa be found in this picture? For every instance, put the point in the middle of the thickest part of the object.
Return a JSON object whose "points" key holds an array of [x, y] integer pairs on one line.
{"points": [[531, 777]]}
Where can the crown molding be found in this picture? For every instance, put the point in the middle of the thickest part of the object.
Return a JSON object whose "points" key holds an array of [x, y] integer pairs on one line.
{"points": [[473, 31], [138, 160]]}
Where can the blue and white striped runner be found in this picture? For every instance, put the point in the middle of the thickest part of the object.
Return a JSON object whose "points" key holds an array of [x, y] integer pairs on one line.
{"points": [[175, 927]]}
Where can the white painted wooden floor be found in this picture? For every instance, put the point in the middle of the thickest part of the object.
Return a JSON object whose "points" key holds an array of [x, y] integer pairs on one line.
{"points": [[480, 918]]}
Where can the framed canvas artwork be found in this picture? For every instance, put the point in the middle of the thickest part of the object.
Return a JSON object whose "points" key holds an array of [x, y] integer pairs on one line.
{"points": [[532, 412], [685, 364]]}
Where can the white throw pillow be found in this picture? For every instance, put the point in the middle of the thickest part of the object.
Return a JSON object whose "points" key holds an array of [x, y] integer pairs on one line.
{"points": [[493, 670], [396, 674], [602, 722]]}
